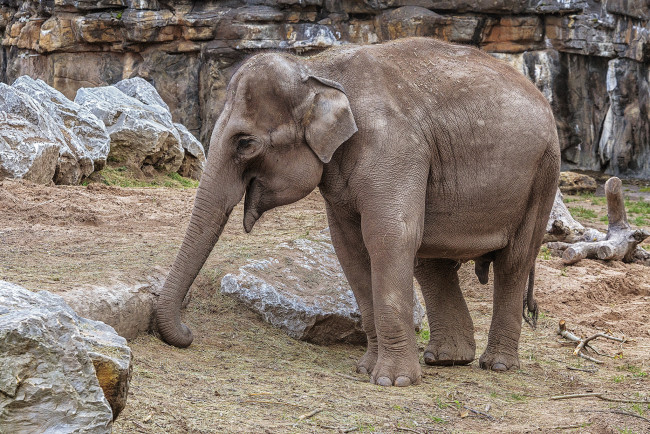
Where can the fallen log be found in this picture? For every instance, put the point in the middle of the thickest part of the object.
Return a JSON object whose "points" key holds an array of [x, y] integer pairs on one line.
{"points": [[620, 242]]}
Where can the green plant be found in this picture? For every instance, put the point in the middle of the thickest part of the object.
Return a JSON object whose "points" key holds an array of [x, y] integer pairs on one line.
{"points": [[598, 200], [424, 335], [119, 15], [639, 409], [437, 419], [563, 273], [544, 253], [517, 397], [618, 379], [604, 219], [570, 199], [582, 212], [644, 190], [640, 221], [637, 207]]}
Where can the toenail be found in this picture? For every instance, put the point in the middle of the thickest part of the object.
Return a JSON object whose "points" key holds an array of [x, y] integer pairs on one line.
{"points": [[402, 381], [362, 370], [499, 367], [384, 381]]}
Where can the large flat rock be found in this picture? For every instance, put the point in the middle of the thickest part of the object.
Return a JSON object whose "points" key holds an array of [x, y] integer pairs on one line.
{"points": [[302, 290]]}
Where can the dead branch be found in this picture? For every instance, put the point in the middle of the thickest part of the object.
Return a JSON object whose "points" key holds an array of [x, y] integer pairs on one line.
{"points": [[600, 396], [570, 238], [591, 371], [480, 413], [350, 377], [625, 413], [583, 343], [310, 414]]}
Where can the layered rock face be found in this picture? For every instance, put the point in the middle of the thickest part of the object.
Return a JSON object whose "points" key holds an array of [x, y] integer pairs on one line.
{"points": [[590, 59]]}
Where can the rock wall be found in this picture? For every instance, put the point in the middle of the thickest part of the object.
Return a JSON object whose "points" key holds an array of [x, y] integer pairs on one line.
{"points": [[590, 58]]}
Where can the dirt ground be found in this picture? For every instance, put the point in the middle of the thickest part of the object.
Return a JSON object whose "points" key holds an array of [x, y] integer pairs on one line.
{"points": [[242, 375]]}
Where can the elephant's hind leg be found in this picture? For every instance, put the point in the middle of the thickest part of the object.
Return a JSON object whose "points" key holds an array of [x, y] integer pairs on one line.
{"points": [[512, 267], [451, 329]]}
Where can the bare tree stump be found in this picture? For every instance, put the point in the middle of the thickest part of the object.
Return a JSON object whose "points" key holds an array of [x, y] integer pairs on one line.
{"points": [[562, 227], [621, 240]]}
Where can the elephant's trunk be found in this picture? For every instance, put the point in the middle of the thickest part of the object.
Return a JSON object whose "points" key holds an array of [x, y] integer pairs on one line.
{"points": [[209, 216]]}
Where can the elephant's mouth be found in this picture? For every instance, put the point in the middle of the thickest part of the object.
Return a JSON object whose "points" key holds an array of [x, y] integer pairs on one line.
{"points": [[251, 203]]}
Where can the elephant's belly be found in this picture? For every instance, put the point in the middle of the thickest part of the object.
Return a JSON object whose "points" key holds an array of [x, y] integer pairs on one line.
{"points": [[462, 240]]}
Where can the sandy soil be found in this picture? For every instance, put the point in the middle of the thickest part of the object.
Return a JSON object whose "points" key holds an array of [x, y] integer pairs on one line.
{"points": [[241, 375]]}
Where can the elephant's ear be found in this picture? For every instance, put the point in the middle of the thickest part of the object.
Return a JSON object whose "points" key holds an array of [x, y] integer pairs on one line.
{"points": [[329, 121]]}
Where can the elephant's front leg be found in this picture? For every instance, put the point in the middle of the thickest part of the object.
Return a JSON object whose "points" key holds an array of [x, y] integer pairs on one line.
{"points": [[392, 253], [348, 243]]}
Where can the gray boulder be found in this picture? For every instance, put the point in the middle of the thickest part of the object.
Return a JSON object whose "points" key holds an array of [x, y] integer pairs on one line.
{"points": [[59, 372], [194, 158], [25, 150], [141, 134], [303, 291], [142, 90], [43, 133], [84, 133]]}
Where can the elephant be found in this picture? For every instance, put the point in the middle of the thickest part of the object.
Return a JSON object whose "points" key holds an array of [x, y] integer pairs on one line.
{"points": [[427, 155]]}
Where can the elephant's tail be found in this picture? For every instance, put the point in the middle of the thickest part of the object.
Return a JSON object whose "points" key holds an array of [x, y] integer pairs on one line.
{"points": [[530, 310]]}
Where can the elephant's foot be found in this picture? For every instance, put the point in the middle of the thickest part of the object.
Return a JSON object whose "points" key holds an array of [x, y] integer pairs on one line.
{"points": [[399, 371], [449, 352], [367, 362], [498, 361]]}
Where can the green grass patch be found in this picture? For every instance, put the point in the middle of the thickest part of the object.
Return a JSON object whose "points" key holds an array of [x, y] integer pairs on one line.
{"points": [[582, 212], [424, 335], [544, 253], [517, 397], [637, 207], [598, 200], [618, 379], [640, 221], [120, 176], [644, 189]]}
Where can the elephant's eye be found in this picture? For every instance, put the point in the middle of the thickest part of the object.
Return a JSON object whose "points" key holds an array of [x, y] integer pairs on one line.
{"points": [[244, 143]]}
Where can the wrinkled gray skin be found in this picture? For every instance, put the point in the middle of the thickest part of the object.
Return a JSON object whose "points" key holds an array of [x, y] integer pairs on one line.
{"points": [[426, 153]]}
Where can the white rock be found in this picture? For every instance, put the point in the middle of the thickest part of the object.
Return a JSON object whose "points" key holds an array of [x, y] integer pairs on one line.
{"points": [[194, 159], [303, 291], [44, 129], [143, 134], [50, 360], [84, 133]]}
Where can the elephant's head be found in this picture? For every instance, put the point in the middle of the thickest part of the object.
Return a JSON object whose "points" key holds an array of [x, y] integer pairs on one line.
{"points": [[280, 124]]}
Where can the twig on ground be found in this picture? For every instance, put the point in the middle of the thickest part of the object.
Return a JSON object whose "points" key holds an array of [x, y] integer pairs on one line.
{"points": [[591, 371], [480, 413], [252, 401], [591, 359], [310, 414], [624, 413], [583, 343], [350, 430], [570, 426], [599, 395], [399, 428], [349, 377]]}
